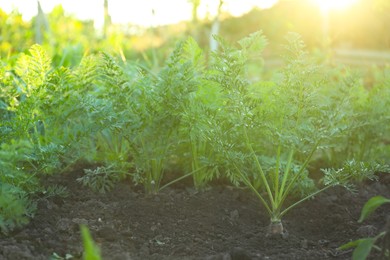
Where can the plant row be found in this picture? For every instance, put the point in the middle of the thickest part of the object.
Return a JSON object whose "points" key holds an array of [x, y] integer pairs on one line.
{"points": [[191, 119]]}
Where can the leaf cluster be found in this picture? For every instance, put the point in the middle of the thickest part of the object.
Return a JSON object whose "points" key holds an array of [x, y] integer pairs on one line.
{"points": [[15, 208]]}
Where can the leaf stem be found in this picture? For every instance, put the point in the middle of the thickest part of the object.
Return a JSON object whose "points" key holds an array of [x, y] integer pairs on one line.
{"points": [[180, 178]]}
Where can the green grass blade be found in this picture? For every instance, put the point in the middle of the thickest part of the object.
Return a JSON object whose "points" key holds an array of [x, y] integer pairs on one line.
{"points": [[91, 250], [363, 249], [371, 205], [351, 244]]}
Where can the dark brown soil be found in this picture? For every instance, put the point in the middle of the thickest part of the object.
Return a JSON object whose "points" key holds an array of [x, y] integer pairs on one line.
{"points": [[220, 223]]}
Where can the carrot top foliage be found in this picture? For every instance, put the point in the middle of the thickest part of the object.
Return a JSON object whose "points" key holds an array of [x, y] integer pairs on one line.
{"points": [[199, 116]]}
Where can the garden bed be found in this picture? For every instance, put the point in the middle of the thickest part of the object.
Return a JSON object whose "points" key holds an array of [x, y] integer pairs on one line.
{"points": [[222, 222]]}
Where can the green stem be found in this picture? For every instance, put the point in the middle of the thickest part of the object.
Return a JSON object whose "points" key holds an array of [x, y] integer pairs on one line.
{"points": [[180, 178], [304, 199], [300, 172], [262, 175], [285, 176], [195, 163], [276, 178], [248, 183]]}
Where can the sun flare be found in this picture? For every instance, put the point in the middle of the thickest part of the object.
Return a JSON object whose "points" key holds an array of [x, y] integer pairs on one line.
{"points": [[327, 5]]}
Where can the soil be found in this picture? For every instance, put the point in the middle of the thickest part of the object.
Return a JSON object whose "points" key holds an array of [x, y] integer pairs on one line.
{"points": [[222, 222]]}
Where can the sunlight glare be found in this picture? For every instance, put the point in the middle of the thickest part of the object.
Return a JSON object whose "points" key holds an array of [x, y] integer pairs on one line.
{"points": [[145, 13], [327, 5]]}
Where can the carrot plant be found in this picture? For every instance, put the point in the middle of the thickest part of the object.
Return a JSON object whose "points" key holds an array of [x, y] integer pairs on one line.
{"points": [[286, 120], [46, 116], [201, 108], [151, 118], [22, 156]]}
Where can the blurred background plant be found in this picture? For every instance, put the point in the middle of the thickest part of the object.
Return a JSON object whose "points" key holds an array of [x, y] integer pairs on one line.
{"points": [[361, 24]]}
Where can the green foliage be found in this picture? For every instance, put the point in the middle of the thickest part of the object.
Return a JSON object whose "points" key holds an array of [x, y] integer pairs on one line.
{"points": [[20, 166], [301, 188], [353, 171], [91, 250], [371, 205], [27, 149], [365, 124], [15, 160], [101, 179], [33, 68], [56, 256], [196, 115], [364, 246], [156, 113], [197, 118], [15, 208], [286, 116], [233, 106], [15, 34]]}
